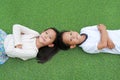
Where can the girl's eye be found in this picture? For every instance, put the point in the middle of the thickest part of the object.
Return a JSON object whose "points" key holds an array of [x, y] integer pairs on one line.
{"points": [[46, 32]]}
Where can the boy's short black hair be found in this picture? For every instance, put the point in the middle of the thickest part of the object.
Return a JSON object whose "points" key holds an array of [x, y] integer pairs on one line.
{"points": [[61, 44]]}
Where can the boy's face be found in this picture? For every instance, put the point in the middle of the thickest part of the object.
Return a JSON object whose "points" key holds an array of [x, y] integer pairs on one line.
{"points": [[71, 38], [47, 37]]}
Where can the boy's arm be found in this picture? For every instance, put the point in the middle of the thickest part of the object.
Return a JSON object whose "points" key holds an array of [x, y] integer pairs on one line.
{"points": [[110, 43], [104, 36], [105, 40]]}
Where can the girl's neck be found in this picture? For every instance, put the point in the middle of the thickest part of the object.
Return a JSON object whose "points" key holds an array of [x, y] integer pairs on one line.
{"points": [[38, 44]]}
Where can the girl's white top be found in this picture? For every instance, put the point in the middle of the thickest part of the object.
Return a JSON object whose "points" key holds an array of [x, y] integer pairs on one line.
{"points": [[90, 45], [27, 39]]}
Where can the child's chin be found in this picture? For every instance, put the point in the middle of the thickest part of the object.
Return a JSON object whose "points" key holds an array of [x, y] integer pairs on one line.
{"points": [[42, 43]]}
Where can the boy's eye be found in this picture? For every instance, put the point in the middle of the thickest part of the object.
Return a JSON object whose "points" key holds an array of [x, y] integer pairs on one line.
{"points": [[70, 39], [71, 33], [50, 37]]}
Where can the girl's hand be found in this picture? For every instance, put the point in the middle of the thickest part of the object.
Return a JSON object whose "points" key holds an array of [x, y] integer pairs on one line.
{"points": [[22, 33], [19, 46]]}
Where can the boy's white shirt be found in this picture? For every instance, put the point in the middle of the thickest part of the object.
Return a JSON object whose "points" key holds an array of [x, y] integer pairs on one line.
{"points": [[28, 41], [90, 45]]}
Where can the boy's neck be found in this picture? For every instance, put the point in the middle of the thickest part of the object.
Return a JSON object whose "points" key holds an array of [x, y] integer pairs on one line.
{"points": [[83, 38]]}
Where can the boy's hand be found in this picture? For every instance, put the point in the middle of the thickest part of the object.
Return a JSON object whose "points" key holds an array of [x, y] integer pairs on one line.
{"points": [[110, 44], [101, 27]]}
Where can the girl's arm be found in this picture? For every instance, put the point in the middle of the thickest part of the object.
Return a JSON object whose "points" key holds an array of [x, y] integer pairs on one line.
{"points": [[18, 30], [23, 54]]}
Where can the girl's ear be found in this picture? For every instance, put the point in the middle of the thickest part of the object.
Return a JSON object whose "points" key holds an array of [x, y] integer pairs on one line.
{"points": [[51, 45], [72, 46]]}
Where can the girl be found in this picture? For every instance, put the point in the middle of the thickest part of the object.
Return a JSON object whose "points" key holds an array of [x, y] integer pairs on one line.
{"points": [[26, 43], [3, 56], [92, 39]]}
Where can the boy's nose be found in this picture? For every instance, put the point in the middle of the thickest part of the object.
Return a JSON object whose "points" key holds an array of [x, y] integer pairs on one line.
{"points": [[45, 37], [73, 37]]}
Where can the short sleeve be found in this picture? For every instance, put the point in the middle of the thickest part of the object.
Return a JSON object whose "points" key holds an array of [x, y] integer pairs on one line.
{"points": [[90, 48], [93, 28]]}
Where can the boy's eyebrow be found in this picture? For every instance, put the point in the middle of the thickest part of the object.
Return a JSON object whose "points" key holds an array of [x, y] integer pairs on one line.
{"points": [[70, 32], [48, 31]]}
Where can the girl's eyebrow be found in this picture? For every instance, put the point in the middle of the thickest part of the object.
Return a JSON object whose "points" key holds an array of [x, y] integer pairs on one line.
{"points": [[47, 32]]}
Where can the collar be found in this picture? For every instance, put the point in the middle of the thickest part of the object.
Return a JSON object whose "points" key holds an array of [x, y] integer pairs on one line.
{"points": [[86, 36]]}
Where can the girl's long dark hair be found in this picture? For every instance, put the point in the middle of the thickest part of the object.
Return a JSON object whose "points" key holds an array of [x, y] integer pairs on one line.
{"points": [[46, 53]]}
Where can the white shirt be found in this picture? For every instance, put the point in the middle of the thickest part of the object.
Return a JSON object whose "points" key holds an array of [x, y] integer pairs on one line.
{"points": [[28, 41], [90, 45]]}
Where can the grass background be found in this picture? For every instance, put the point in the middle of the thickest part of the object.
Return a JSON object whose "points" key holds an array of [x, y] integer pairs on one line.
{"points": [[64, 15]]}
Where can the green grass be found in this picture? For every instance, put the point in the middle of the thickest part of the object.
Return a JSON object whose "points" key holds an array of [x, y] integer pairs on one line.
{"points": [[64, 15]]}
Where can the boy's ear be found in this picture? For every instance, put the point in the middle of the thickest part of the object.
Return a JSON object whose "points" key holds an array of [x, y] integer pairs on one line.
{"points": [[72, 46], [51, 45]]}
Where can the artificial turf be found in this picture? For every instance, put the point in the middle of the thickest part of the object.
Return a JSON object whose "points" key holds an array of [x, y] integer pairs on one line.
{"points": [[73, 64]]}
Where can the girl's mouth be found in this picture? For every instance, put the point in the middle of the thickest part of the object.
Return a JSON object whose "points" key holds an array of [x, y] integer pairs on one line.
{"points": [[43, 38]]}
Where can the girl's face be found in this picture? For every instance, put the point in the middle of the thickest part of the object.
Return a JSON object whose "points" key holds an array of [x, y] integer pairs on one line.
{"points": [[47, 37], [71, 38]]}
